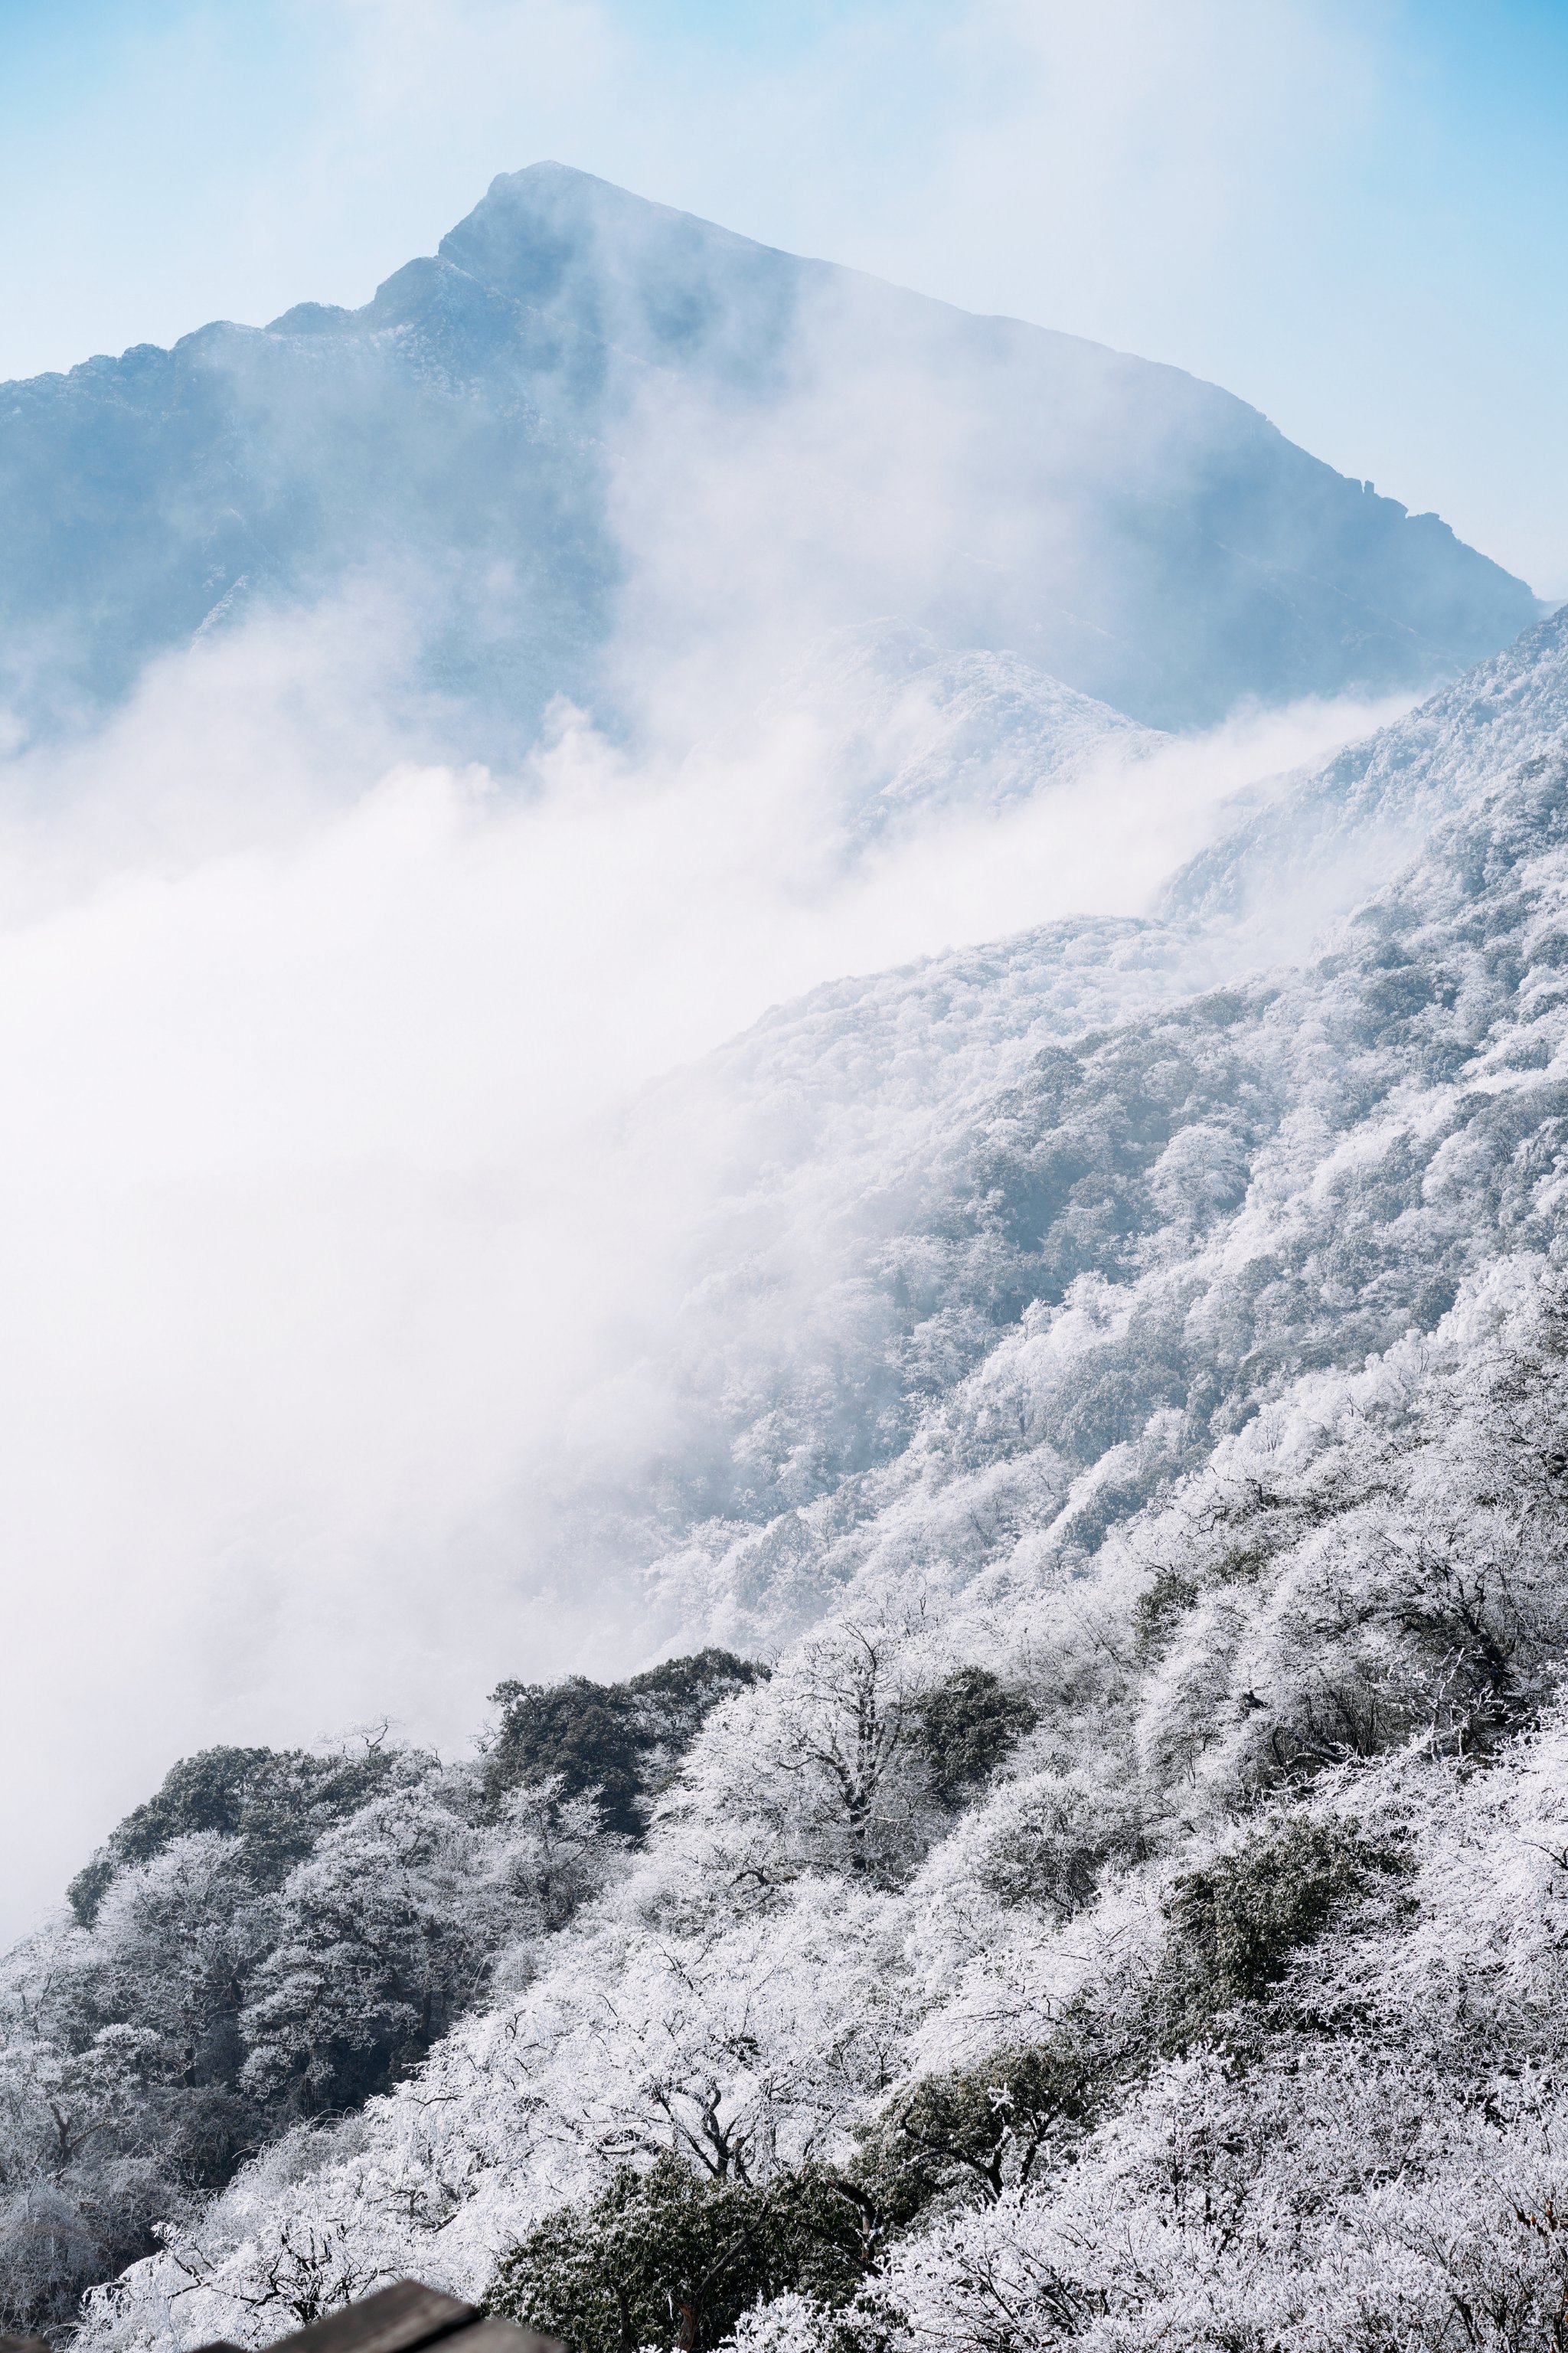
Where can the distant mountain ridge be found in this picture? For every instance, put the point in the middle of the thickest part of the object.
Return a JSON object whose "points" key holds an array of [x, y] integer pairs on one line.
{"points": [[474, 439]]}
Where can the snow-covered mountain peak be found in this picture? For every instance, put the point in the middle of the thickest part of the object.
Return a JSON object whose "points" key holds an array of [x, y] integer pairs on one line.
{"points": [[519, 441], [1075, 1421]]}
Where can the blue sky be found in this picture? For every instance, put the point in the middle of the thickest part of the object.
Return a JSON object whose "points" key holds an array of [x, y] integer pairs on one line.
{"points": [[1353, 216]]}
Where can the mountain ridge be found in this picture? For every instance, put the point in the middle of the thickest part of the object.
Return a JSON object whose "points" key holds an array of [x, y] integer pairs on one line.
{"points": [[468, 437]]}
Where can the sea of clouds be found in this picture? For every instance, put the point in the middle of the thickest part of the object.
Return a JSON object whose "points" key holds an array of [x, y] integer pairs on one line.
{"points": [[311, 1049]]}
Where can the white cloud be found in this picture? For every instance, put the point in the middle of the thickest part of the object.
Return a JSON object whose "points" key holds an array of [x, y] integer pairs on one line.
{"points": [[312, 1252]]}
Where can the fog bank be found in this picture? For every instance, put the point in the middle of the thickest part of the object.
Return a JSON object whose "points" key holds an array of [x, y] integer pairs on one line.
{"points": [[312, 1057]]}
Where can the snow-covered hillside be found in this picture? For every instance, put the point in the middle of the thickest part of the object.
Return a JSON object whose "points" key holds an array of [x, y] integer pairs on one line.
{"points": [[907, 730], [1124, 1390], [1073, 1151]]}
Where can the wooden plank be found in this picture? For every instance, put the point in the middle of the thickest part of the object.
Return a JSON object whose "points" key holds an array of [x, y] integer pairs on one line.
{"points": [[395, 2319], [398, 2319], [491, 2335]]}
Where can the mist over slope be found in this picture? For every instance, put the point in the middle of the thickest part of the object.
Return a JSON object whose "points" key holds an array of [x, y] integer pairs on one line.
{"points": [[591, 438], [1058, 1439], [1062, 1131], [1126, 1387]]}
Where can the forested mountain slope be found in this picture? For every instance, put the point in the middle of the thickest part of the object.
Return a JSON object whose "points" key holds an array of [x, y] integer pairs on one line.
{"points": [[910, 731], [1077, 1152], [277, 1936], [1131, 1911], [544, 460]]}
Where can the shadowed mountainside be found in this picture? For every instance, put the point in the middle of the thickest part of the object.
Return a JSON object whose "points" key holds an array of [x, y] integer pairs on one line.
{"points": [[509, 439]]}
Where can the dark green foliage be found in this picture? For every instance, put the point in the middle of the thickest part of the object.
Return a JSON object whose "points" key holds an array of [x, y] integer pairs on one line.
{"points": [[1159, 1610], [276, 1802], [92, 1883], [622, 1740], [965, 1727], [272, 1936], [1237, 1921], [984, 2129], [672, 2258]]}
